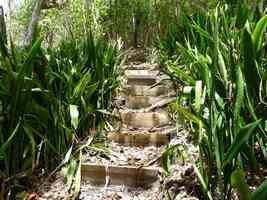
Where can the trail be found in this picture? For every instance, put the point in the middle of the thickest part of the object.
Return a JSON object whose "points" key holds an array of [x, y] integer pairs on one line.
{"points": [[130, 165], [136, 144]]}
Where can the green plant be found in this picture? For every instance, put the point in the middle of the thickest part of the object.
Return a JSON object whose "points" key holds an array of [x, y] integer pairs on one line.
{"points": [[23, 119], [238, 181], [83, 75], [51, 98], [223, 62]]}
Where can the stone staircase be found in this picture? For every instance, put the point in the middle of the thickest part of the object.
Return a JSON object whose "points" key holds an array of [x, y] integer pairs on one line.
{"points": [[145, 126]]}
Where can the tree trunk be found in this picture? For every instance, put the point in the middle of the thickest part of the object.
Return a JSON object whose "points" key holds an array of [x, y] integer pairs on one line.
{"points": [[136, 26], [27, 40], [2, 25]]}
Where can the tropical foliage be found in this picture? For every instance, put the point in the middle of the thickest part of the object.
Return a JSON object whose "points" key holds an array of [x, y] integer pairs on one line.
{"points": [[58, 90], [220, 56], [51, 97]]}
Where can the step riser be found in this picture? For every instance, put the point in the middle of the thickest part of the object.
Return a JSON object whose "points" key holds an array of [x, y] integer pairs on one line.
{"points": [[142, 139], [141, 77], [118, 175], [147, 91], [138, 102], [140, 81], [145, 120]]}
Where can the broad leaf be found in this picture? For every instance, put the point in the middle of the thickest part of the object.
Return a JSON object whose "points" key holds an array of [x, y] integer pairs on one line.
{"points": [[74, 114], [241, 138], [257, 35], [238, 181]]}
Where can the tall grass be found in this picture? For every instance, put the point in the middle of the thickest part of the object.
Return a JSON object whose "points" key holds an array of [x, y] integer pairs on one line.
{"points": [[220, 55], [51, 97]]}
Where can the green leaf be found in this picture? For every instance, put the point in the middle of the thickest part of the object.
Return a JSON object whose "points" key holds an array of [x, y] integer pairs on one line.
{"points": [[77, 181], [29, 133], [238, 181], [241, 138], [249, 67], [203, 182], [74, 114], [91, 89], [201, 31], [198, 95], [166, 160], [188, 115], [81, 86], [222, 68], [257, 35], [28, 64], [261, 192], [72, 167], [10, 138], [181, 74], [239, 99]]}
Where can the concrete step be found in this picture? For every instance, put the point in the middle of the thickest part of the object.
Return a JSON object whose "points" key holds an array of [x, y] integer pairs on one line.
{"points": [[141, 77], [135, 119], [139, 102], [140, 66], [143, 90], [137, 73], [157, 137], [132, 176]]}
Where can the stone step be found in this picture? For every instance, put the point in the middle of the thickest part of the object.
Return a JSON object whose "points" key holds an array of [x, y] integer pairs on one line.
{"points": [[143, 90], [141, 77], [135, 119], [143, 138], [132, 176]]}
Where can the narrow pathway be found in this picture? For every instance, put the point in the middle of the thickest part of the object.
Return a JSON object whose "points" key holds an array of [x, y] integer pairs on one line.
{"points": [[132, 168], [128, 166]]}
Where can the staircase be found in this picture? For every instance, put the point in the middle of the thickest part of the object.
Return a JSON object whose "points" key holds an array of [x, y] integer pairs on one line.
{"points": [[133, 168]]}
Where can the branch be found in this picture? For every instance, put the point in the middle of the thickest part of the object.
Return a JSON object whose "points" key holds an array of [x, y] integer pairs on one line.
{"points": [[27, 40]]}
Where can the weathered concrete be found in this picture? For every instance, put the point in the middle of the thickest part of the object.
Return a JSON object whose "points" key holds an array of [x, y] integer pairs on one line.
{"points": [[119, 175], [141, 77], [137, 102], [147, 104], [157, 137], [144, 120], [141, 66], [142, 90]]}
